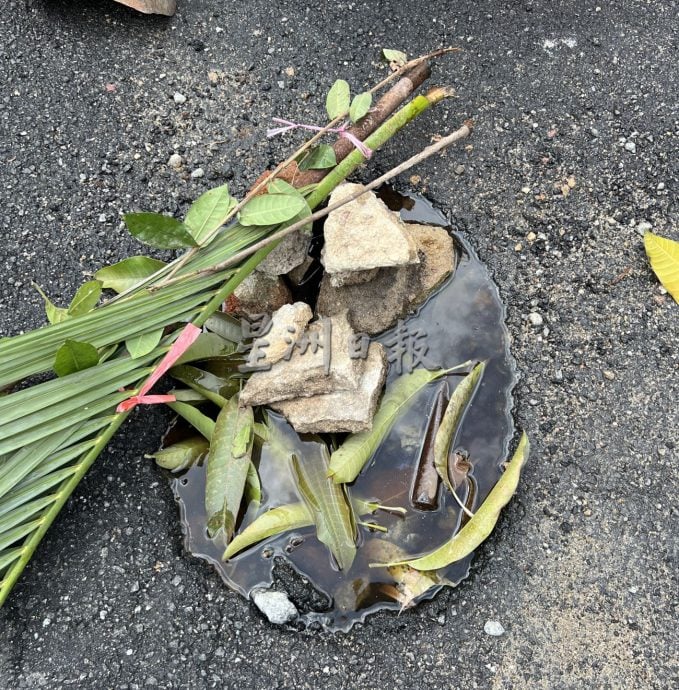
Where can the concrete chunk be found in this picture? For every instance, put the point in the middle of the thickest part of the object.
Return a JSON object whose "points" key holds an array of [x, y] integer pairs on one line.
{"points": [[258, 294], [287, 324], [290, 253], [306, 373], [375, 306], [342, 411], [362, 236]]}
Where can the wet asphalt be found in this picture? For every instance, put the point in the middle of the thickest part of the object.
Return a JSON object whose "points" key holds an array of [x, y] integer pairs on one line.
{"points": [[573, 155]]}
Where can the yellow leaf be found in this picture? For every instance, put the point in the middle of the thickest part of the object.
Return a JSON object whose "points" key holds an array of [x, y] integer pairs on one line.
{"points": [[664, 257]]}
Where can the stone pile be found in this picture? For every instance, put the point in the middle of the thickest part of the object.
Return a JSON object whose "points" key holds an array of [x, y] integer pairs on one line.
{"points": [[310, 375], [377, 269]]}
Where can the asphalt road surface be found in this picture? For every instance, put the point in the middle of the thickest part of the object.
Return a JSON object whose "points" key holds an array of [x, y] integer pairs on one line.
{"points": [[582, 569]]}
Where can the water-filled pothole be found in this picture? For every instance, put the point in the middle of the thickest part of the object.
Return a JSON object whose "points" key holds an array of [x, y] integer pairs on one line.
{"points": [[463, 320]]}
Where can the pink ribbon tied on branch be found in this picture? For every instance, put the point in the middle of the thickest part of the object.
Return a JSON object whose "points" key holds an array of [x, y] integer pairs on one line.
{"points": [[186, 338], [343, 131]]}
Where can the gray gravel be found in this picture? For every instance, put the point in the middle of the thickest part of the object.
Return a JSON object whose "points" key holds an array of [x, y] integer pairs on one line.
{"points": [[582, 570]]}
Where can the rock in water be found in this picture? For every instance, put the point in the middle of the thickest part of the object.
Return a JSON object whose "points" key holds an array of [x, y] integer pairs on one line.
{"points": [[258, 294], [437, 260], [274, 605], [166, 7], [362, 236], [342, 411], [375, 306], [372, 307]]}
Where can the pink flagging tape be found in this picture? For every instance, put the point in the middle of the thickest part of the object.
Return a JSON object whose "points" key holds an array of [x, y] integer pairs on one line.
{"points": [[186, 338], [342, 131]]}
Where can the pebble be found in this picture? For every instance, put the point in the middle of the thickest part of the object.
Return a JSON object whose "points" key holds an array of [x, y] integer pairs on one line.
{"points": [[274, 605], [493, 628], [644, 226], [459, 170], [179, 98], [630, 146], [610, 375], [198, 172], [175, 161], [535, 319]]}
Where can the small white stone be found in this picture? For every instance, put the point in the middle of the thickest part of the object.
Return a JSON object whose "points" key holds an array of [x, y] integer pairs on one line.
{"points": [[493, 628], [644, 226], [179, 98], [102, 217], [535, 319], [175, 161], [274, 605], [198, 172], [630, 146]]}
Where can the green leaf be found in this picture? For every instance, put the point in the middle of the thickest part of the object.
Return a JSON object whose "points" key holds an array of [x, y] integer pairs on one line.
{"points": [[663, 254], [188, 395], [268, 524], [271, 209], [253, 485], [143, 344], [54, 314], [199, 421], [158, 230], [327, 503], [452, 420], [278, 520], [350, 458], [396, 57], [278, 186], [338, 98], [128, 272], [478, 528], [214, 388], [319, 158], [360, 106], [85, 299], [74, 356], [181, 455], [225, 326], [227, 467], [209, 212], [207, 346]]}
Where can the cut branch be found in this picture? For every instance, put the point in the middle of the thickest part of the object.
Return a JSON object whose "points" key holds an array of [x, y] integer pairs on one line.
{"points": [[266, 243]]}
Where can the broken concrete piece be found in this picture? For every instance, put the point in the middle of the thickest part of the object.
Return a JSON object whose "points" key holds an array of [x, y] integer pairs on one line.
{"points": [[377, 305], [290, 253], [372, 307], [258, 294], [287, 324], [166, 7], [437, 260], [296, 276], [308, 372], [361, 236], [342, 411]]}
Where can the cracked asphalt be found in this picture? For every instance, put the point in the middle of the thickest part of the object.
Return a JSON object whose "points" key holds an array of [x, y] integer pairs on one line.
{"points": [[574, 154]]}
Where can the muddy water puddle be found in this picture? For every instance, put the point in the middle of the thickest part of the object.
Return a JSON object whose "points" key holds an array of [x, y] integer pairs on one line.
{"points": [[463, 320]]}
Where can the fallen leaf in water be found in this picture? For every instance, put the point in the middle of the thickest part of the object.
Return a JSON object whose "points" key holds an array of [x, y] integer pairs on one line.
{"points": [[478, 528]]}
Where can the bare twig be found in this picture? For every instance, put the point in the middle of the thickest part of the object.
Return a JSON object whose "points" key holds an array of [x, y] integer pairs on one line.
{"points": [[462, 133]]}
